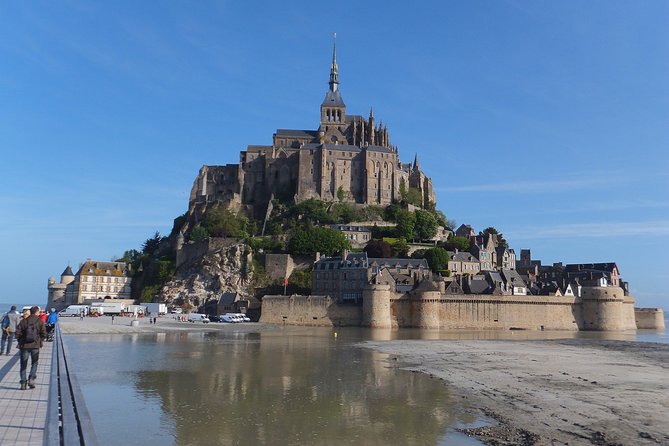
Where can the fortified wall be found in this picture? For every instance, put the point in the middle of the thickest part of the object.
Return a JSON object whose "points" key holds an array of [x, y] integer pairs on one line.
{"points": [[600, 309], [649, 318]]}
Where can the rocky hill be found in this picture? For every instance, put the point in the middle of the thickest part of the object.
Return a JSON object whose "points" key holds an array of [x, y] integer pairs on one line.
{"points": [[227, 269]]}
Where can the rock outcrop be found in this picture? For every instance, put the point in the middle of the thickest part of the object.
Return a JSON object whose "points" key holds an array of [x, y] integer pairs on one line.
{"points": [[225, 269]]}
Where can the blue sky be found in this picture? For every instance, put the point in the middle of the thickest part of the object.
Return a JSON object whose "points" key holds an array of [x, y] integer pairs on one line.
{"points": [[547, 120]]}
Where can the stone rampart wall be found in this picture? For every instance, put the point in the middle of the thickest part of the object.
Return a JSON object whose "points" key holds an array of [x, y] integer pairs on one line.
{"points": [[308, 311], [483, 312], [649, 318], [435, 310]]}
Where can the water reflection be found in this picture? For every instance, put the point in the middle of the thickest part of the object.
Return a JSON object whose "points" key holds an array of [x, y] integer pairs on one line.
{"points": [[281, 385], [287, 387]]}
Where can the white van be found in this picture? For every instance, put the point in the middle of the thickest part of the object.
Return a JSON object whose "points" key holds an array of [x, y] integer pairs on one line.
{"points": [[75, 310], [242, 317], [229, 317], [198, 317]]}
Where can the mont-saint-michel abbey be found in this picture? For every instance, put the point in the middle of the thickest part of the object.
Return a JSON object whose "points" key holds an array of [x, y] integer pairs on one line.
{"points": [[350, 160], [347, 153]]}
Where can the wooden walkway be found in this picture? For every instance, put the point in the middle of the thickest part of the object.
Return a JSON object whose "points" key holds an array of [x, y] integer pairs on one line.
{"points": [[23, 413]]}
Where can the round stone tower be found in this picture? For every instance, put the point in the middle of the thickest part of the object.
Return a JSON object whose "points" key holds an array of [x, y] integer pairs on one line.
{"points": [[602, 308], [376, 305], [425, 305], [56, 295]]}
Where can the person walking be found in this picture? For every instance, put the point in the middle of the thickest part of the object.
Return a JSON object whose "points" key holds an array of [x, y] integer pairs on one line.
{"points": [[9, 322], [31, 334], [51, 322]]}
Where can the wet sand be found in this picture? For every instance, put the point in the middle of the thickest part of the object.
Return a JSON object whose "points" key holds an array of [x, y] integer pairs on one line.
{"points": [[570, 392]]}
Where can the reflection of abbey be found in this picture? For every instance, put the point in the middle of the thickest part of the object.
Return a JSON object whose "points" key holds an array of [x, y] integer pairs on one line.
{"points": [[347, 155]]}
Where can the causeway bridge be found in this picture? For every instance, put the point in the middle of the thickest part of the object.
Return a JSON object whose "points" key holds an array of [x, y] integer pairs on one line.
{"points": [[51, 414]]}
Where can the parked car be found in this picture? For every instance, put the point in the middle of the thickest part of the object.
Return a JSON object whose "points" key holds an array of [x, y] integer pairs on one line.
{"points": [[229, 317], [242, 317], [214, 318]]}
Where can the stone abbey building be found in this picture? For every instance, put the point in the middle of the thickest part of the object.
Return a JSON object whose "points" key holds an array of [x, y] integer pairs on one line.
{"points": [[347, 154]]}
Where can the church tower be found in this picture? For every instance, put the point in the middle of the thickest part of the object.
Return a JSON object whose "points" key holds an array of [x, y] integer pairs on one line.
{"points": [[333, 109]]}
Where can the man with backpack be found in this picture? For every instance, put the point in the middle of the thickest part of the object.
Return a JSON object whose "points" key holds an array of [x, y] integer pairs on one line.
{"points": [[9, 322], [30, 333]]}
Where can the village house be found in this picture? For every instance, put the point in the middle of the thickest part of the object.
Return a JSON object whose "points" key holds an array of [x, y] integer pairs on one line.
{"points": [[463, 263], [357, 235]]}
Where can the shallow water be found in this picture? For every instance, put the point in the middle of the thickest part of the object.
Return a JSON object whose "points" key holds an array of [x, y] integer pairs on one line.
{"points": [[285, 386], [275, 386]]}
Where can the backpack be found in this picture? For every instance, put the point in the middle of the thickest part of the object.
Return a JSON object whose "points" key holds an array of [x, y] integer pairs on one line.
{"points": [[30, 335], [5, 321]]}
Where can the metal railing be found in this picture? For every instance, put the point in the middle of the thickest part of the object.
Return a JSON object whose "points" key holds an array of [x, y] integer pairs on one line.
{"points": [[68, 422]]}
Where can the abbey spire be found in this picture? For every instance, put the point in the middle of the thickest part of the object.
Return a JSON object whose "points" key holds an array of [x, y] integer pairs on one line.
{"points": [[333, 109], [334, 70]]}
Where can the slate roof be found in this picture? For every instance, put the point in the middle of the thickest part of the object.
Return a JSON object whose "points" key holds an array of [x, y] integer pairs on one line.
{"points": [[509, 274], [353, 260], [464, 257], [93, 267], [479, 286], [402, 263], [333, 99], [427, 285], [297, 133], [68, 271], [227, 298]]}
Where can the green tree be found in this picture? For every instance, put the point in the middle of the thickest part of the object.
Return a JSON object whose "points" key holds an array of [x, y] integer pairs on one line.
{"points": [[378, 248], [426, 225], [300, 280], [400, 248], [324, 240], [437, 258], [392, 211], [406, 224], [221, 222], [459, 243], [341, 194], [403, 190], [414, 197], [150, 245], [148, 293], [130, 256], [342, 213], [198, 233], [441, 218], [311, 211]]}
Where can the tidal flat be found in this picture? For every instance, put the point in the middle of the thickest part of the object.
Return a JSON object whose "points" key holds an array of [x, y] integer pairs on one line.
{"points": [[552, 392]]}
